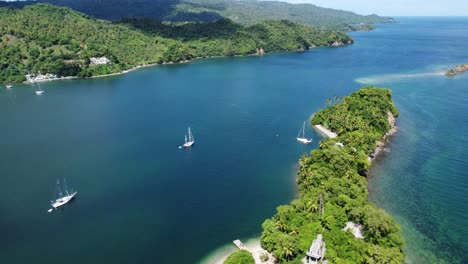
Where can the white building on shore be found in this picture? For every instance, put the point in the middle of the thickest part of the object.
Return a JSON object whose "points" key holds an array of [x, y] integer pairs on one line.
{"points": [[101, 60]]}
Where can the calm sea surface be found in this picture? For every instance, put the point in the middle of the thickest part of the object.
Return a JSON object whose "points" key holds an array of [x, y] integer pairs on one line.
{"points": [[141, 199]]}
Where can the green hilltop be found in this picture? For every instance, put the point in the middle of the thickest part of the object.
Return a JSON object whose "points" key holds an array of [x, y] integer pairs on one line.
{"points": [[43, 38], [245, 12]]}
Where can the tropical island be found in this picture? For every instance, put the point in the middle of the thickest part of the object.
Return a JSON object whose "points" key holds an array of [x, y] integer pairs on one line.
{"points": [[332, 197], [46, 40], [456, 70]]}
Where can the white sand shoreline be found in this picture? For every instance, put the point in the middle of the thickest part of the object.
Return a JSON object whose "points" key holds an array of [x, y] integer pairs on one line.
{"points": [[252, 245], [325, 132]]}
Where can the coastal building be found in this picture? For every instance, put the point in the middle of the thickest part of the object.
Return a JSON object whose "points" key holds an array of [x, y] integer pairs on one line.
{"points": [[317, 250], [101, 60]]}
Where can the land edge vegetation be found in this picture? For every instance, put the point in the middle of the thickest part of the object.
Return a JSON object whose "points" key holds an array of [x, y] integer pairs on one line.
{"points": [[134, 68], [333, 188], [46, 39]]}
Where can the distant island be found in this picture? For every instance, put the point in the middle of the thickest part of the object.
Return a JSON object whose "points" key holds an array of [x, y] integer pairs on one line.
{"points": [[456, 70], [332, 202], [47, 42]]}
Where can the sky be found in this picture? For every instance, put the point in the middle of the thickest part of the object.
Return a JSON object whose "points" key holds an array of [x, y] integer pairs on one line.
{"points": [[396, 7]]}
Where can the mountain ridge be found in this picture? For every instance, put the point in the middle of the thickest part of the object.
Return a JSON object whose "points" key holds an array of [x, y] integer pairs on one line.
{"points": [[44, 38], [245, 12]]}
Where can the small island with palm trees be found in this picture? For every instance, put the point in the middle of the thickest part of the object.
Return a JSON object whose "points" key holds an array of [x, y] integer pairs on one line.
{"points": [[332, 191]]}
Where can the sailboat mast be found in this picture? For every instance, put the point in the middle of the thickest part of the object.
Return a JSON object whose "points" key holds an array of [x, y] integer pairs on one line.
{"points": [[65, 187], [303, 130], [59, 189]]}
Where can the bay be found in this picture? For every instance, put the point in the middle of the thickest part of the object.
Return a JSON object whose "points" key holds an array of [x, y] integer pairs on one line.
{"points": [[141, 199]]}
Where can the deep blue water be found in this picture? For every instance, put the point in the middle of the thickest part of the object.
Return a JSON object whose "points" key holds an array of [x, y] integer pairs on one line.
{"points": [[141, 199]]}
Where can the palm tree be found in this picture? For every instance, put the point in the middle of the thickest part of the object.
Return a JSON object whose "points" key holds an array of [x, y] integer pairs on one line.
{"points": [[288, 250], [280, 225]]}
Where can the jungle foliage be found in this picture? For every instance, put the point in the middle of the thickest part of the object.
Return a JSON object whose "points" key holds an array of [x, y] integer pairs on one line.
{"points": [[245, 12], [43, 38], [332, 191], [240, 257]]}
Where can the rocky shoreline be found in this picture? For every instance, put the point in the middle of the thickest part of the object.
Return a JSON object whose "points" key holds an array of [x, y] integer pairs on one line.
{"points": [[383, 142], [458, 69]]}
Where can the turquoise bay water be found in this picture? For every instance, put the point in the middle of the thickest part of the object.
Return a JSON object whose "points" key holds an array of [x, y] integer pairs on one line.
{"points": [[141, 199]]}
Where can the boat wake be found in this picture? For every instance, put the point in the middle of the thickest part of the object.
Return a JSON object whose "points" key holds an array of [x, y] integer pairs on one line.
{"points": [[386, 78]]}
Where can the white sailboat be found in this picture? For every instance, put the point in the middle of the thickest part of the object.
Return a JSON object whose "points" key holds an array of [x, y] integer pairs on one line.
{"points": [[189, 141], [301, 136], [9, 84], [39, 91], [63, 194]]}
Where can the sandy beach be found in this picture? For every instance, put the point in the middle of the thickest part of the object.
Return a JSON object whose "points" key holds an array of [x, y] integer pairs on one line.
{"points": [[325, 132], [252, 245]]}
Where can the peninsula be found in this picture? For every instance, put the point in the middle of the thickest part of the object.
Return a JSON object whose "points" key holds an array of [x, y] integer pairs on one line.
{"points": [[456, 70], [333, 189], [46, 40]]}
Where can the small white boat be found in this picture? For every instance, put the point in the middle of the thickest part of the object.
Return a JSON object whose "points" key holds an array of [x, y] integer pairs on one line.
{"points": [[9, 84], [301, 136], [39, 91], [63, 194], [189, 141]]}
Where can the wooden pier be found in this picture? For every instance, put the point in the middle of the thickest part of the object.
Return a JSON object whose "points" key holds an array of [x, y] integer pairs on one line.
{"points": [[240, 245]]}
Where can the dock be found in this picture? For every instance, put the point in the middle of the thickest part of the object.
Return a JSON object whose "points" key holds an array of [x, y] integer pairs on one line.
{"points": [[240, 245]]}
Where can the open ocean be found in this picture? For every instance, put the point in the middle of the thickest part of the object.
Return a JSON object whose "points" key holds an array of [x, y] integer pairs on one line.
{"points": [[141, 199]]}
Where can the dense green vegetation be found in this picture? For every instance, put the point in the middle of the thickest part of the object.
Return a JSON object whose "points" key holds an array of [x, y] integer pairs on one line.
{"points": [[49, 39], [332, 191], [245, 12], [240, 257]]}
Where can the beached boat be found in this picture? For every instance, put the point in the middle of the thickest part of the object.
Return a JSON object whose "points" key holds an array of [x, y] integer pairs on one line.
{"points": [[63, 194], [189, 140], [301, 136]]}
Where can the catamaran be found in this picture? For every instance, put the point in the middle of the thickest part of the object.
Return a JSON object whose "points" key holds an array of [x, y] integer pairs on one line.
{"points": [[64, 195], [189, 141], [301, 136], [39, 91]]}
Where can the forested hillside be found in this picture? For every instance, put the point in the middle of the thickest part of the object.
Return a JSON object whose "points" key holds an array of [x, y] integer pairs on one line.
{"points": [[333, 191], [43, 38], [245, 12]]}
